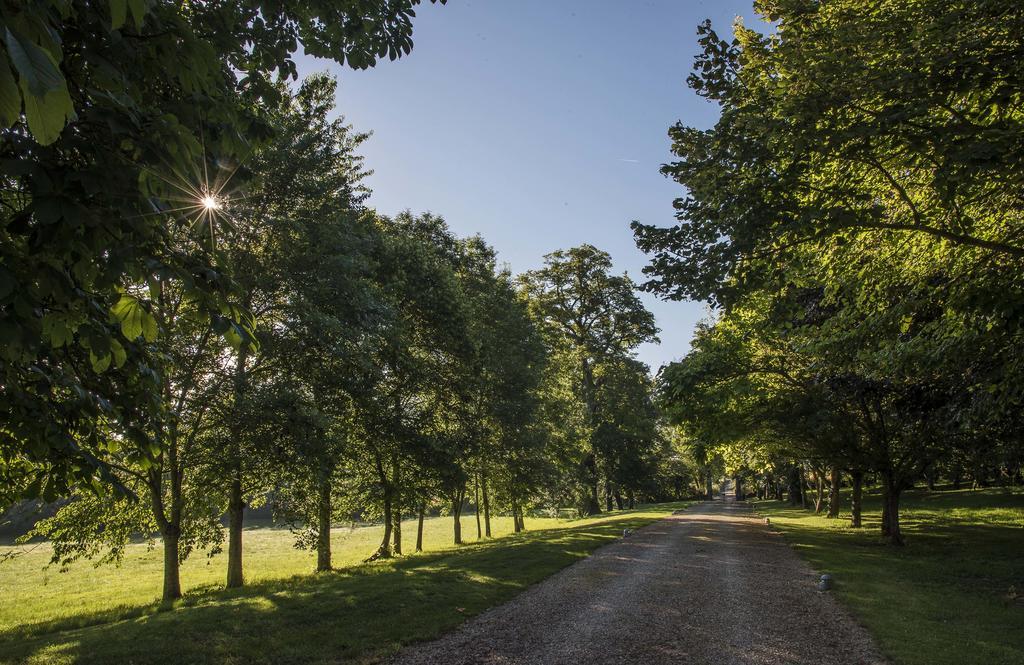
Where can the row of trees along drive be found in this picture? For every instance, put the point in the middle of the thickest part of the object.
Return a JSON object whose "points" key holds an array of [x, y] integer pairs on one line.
{"points": [[199, 313], [855, 217]]}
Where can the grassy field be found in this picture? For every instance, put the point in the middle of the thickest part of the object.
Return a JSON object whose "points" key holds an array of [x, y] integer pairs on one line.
{"points": [[285, 614], [953, 595]]}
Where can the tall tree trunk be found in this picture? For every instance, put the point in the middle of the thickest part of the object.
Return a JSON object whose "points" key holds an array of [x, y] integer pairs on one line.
{"points": [[457, 515], [819, 491], [323, 541], [834, 479], [476, 505], [618, 499], [236, 504], [593, 505], [236, 508], [516, 524], [608, 496], [795, 486], [396, 507], [396, 529], [487, 505], [419, 527], [856, 501], [630, 499], [803, 486], [172, 577], [384, 551], [891, 490], [709, 485], [168, 518]]}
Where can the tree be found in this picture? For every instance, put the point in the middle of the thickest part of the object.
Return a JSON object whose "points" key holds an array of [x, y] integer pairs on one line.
{"points": [[890, 121], [592, 316], [298, 214], [409, 413], [112, 114]]}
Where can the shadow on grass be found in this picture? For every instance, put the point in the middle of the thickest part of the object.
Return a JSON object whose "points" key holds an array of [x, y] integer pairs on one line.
{"points": [[358, 613], [952, 595]]}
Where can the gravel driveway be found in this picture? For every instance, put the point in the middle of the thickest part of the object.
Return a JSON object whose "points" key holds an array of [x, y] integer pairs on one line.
{"points": [[711, 584]]}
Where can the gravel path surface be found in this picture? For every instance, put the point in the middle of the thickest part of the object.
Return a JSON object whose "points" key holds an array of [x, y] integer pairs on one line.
{"points": [[711, 584]]}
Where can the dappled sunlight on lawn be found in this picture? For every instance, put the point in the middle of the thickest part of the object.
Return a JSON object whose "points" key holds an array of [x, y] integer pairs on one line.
{"points": [[945, 597], [335, 613]]}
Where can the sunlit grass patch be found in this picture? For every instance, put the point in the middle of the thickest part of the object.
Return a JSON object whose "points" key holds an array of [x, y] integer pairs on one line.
{"points": [[952, 595], [287, 614]]}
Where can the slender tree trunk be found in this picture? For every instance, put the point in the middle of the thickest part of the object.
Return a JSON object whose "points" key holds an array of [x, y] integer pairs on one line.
{"points": [[236, 508], [819, 496], [487, 505], [608, 496], [517, 525], [236, 504], [709, 485], [384, 551], [476, 506], [323, 542], [396, 506], [419, 527], [803, 486], [891, 509], [618, 499], [795, 486], [593, 506], [857, 478], [396, 529], [457, 515], [631, 502], [833, 492], [169, 522], [172, 577]]}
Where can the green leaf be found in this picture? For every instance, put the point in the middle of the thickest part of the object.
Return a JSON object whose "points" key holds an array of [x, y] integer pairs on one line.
{"points": [[99, 363], [118, 13], [37, 69], [135, 320], [10, 98], [138, 9], [119, 353], [48, 116], [233, 337], [56, 329]]}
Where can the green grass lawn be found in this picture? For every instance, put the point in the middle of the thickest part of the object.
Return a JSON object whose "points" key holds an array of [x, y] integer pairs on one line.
{"points": [[285, 615], [953, 595]]}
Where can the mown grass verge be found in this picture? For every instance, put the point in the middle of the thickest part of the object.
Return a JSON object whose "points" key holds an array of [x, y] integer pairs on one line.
{"points": [[359, 613], [953, 595]]}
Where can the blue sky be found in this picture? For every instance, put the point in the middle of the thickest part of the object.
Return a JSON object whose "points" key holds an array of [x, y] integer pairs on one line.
{"points": [[539, 124]]}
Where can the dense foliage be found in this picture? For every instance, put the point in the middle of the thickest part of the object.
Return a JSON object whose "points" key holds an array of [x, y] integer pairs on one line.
{"points": [[855, 214], [201, 315]]}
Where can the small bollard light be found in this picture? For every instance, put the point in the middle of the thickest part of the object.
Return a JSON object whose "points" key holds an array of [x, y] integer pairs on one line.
{"points": [[825, 583]]}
